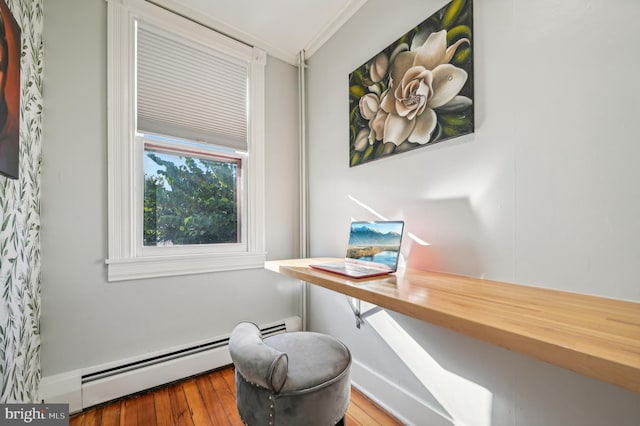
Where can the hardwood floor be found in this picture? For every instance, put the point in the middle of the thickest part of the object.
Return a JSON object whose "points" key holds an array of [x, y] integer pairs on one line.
{"points": [[203, 400]]}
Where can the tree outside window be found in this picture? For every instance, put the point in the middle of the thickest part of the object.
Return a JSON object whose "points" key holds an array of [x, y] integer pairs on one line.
{"points": [[190, 200]]}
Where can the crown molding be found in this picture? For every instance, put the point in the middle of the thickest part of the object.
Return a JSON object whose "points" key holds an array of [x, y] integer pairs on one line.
{"points": [[333, 26], [206, 19]]}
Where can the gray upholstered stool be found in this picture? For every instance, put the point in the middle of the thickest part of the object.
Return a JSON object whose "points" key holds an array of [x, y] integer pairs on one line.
{"points": [[290, 379]]}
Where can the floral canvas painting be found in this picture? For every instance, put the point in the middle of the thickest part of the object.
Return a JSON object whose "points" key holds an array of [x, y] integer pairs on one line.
{"points": [[417, 91]]}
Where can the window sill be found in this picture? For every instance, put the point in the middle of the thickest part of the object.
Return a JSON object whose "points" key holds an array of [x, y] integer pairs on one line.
{"points": [[167, 266]]}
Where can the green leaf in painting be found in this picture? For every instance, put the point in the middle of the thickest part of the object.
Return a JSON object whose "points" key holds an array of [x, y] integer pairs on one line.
{"points": [[452, 13], [458, 32], [355, 158], [462, 56], [357, 91]]}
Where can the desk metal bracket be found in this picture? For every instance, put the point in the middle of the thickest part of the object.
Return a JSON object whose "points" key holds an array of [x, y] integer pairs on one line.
{"points": [[357, 310]]}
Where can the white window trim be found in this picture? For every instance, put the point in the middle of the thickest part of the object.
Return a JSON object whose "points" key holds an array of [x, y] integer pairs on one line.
{"points": [[123, 262]]}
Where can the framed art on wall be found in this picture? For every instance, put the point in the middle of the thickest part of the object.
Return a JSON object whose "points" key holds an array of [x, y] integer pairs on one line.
{"points": [[9, 93], [417, 91]]}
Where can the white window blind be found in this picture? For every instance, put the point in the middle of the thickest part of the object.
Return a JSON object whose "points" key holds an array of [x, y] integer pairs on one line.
{"points": [[189, 91]]}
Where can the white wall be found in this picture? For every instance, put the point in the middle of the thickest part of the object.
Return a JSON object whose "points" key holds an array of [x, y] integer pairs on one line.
{"points": [[544, 193], [87, 321]]}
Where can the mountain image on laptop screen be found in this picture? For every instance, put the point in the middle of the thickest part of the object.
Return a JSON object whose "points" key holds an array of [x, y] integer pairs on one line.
{"points": [[376, 242]]}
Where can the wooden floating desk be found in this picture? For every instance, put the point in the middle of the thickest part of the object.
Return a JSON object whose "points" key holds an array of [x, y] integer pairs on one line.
{"points": [[594, 336]]}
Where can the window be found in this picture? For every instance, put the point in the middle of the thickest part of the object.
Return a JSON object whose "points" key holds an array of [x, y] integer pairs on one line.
{"points": [[192, 197], [186, 146]]}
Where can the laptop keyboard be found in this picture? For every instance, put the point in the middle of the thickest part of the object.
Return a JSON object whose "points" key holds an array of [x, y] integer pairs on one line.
{"points": [[358, 268]]}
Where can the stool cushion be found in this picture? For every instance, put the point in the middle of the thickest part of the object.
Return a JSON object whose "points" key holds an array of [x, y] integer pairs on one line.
{"points": [[317, 386], [314, 358]]}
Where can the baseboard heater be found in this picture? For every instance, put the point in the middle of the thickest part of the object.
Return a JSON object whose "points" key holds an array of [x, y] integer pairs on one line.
{"points": [[110, 382]]}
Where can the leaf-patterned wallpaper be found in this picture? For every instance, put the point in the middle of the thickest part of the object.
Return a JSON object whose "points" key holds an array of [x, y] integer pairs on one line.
{"points": [[20, 225]]}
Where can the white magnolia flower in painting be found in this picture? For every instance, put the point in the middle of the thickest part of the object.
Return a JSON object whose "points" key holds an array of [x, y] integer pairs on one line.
{"points": [[369, 106], [379, 67], [362, 140], [421, 80]]}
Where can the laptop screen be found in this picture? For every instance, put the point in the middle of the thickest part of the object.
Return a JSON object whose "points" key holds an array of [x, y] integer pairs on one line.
{"points": [[377, 241]]}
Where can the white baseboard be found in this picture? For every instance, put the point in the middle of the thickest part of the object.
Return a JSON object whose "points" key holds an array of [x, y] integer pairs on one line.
{"points": [[97, 384], [113, 387], [401, 404], [68, 387], [65, 388]]}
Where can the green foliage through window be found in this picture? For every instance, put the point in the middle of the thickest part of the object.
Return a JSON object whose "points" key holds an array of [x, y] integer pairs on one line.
{"points": [[190, 200]]}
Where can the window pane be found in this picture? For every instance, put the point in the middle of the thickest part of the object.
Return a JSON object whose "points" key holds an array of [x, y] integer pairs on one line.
{"points": [[189, 198]]}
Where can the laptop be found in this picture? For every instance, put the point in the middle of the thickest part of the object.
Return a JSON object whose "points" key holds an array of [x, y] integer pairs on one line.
{"points": [[373, 250]]}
